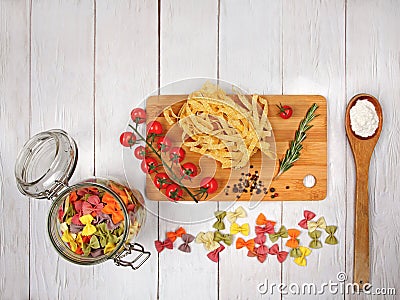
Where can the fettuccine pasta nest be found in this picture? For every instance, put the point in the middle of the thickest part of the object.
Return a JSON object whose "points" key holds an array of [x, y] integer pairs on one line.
{"points": [[216, 125]]}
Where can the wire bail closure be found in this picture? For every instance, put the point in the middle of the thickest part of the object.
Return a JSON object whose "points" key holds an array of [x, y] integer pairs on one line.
{"points": [[129, 248], [60, 185]]}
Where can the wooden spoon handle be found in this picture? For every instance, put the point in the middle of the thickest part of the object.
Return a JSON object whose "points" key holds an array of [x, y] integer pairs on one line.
{"points": [[361, 233]]}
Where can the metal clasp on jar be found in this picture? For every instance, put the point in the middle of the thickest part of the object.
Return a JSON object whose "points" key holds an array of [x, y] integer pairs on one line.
{"points": [[136, 262], [58, 186]]}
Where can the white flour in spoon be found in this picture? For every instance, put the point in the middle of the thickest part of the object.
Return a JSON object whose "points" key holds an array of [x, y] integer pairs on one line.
{"points": [[363, 118]]}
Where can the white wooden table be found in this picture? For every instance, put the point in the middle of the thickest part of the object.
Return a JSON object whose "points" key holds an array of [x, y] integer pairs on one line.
{"points": [[83, 65]]}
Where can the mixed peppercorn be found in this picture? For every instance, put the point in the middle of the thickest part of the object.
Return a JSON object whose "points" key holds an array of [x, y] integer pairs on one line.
{"points": [[250, 183]]}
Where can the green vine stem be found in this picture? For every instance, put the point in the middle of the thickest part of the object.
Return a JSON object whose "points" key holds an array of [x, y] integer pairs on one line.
{"points": [[176, 179]]}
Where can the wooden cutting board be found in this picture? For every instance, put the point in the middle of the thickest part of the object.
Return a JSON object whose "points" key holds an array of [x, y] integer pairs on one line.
{"points": [[289, 186]]}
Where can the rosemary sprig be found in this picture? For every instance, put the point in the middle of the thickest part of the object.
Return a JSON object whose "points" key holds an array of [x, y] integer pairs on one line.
{"points": [[293, 153]]}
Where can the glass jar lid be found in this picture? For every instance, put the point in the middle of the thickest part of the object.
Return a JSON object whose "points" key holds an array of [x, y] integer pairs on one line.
{"points": [[46, 163]]}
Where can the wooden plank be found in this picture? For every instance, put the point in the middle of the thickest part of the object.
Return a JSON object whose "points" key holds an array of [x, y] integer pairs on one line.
{"points": [[372, 67], [62, 97], [313, 62], [315, 145], [126, 70], [250, 56], [14, 124], [188, 44]]}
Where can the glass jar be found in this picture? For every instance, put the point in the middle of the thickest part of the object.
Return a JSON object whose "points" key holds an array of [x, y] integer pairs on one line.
{"points": [[89, 222]]}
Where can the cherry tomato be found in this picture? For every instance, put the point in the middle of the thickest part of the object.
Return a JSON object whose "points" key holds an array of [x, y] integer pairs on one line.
{"points": [[174, 192], [161, 181], [140, 152], [154, 127], [138, 115], [210, 185], [177, 154], [285, 111], [127, 139], [149, 165], [163, 144], [189, 170]]}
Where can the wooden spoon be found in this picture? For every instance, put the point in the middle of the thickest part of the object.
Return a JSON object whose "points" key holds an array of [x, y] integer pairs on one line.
{"points": [[362, 150]]}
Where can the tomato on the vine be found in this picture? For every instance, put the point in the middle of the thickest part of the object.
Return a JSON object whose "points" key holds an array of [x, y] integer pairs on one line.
{"points": [[127, 139], [138, 115], [174, 192], [140, 152], [285, 111], [209, 185], [154, 128], [149, 165], [177, 154], [161, 180], [188, 170], [163, 144]]}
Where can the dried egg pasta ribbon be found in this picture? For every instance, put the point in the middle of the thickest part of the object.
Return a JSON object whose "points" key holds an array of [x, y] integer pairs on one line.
{"points": [[211, 118]]}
